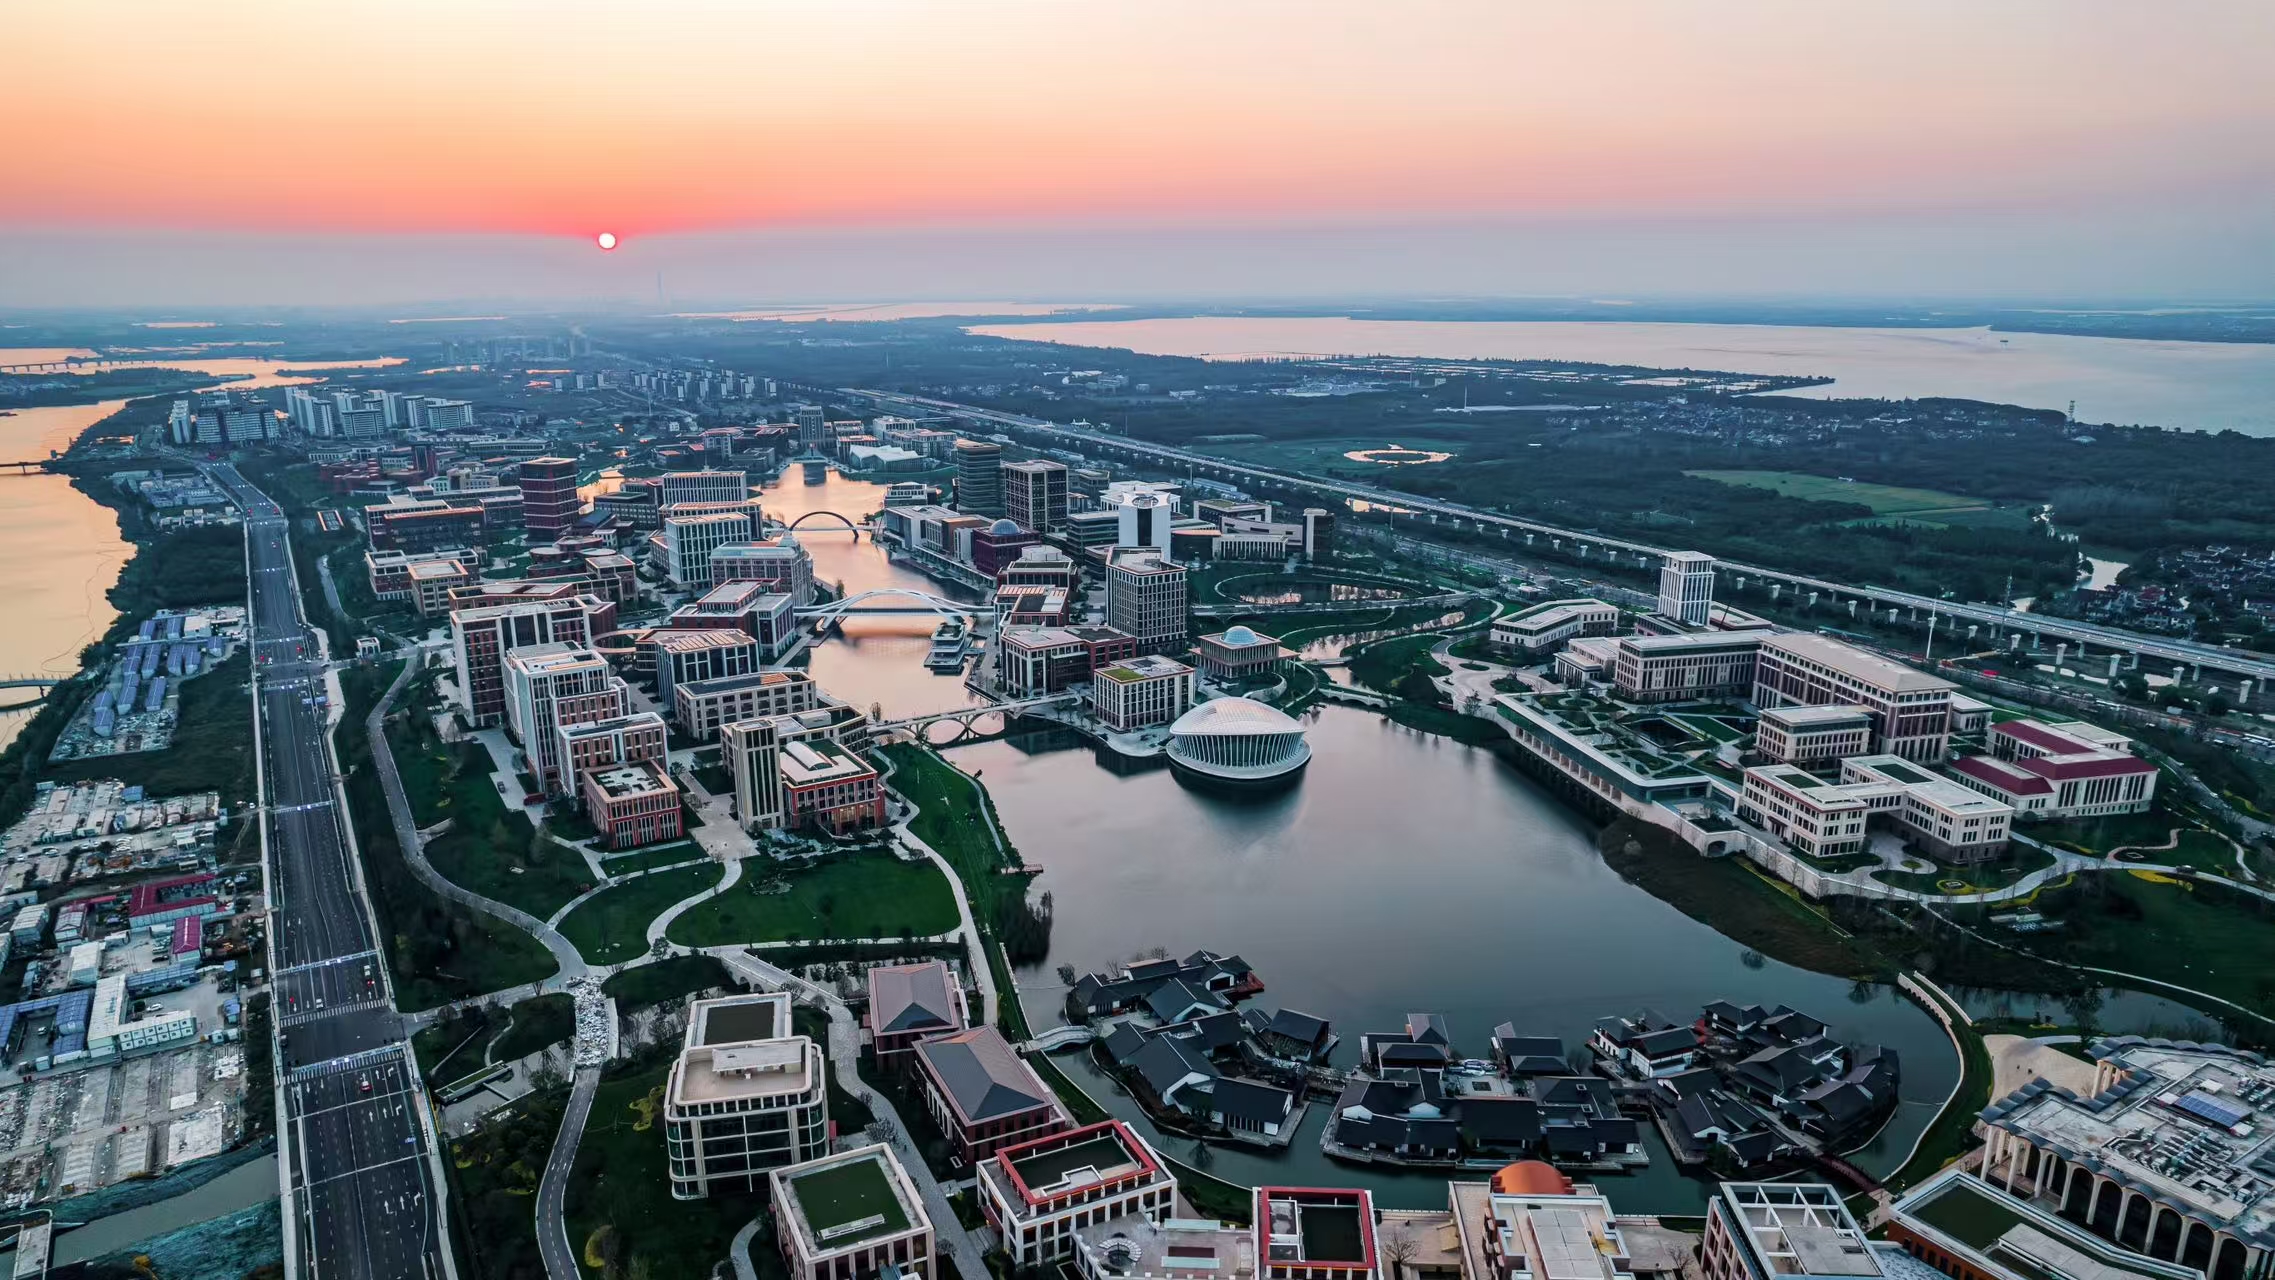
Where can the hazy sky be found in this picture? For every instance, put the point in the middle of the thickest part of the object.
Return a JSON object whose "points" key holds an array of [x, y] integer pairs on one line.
{"points": [[280, 150]]}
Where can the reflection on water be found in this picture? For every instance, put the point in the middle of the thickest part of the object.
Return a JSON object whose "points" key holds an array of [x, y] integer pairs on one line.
{"points": [[1334, 645], [2201, 385], [1318, 593]]}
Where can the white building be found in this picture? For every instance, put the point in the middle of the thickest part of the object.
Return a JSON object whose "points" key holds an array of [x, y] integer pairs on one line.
{"points": [[852, 1216], [705, 486], [1545, 627], [779, 562], [2068, 769], [1237, 740], [1679, 668], [1812, 735], [111, 1033], [747, 1096], [1686, 587], [1038, 1194], [1145, 690], [547, 686], [1146, 597], [689, 540]]}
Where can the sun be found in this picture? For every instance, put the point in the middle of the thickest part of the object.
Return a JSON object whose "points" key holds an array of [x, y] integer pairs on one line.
{"points": [[606, 239]]}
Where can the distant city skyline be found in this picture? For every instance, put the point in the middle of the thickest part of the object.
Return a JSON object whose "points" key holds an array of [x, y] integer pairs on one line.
{"points": [[240, 153]]}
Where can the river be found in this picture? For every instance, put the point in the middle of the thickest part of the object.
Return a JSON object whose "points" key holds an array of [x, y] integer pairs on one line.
{"points": [[2208, 386], [60, 551]]}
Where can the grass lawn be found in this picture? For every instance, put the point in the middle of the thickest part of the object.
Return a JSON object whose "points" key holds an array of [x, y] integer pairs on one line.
{"points": [[493, 1175], [619, 1196], [847, 1193], [2192, 934], [666, 981], [489, 848], [1952, 1131], [859, 895], [1724, 894], [612, 925], [2100, 835], [948, 819], [537, 1022], [1884, 499], [2019, 861], [661, 855]]}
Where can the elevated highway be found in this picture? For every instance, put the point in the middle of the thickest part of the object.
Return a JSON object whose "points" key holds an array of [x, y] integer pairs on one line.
{"points": [[1456, 516]]}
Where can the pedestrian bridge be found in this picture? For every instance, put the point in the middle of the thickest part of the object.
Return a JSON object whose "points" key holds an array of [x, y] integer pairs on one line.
{"points": [[895, 600], [968, 716]]}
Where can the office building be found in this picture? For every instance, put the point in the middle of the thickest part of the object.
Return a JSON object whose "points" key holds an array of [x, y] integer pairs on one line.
{"points": [[388, 573], [632, 804], [431, 582], [1827, 819], [746, 1097], [623, 739], [2166, 1154], [704, 486], [1034, 494], [1680, 668], [483, 635], [755, 756], [1037, 1194], [1239, 653], [1146, 598], [549, 502], [1910, 709], [685, 656], [1543, 628], [1089, 530], [828, 788], [1817, 818], [851, 1216], [447, 415], [979, 478], [703, 707], [998, 545], [1529, 1222], [1040, 566], [778, 563], [1812, 737], [539, 680], [909, 1003], [984, 1096], [220, 418], [428, 525], [1961, 1225], [1314, 1233], [1145, 690], [2068, 769], [1686, 587], [689, 540], [1037, 660], [1143, 518], [1772, 1230], [749, 607]]}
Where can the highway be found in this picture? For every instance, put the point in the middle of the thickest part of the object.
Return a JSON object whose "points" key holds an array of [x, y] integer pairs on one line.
{"points": [[2211, 658], [357, 1167]]}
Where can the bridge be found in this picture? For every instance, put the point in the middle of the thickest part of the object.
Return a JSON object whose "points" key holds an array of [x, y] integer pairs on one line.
{"points": [[910, 603], [70, 364], [30, 682], [1458, 518], [965, 716], [843, 519]]}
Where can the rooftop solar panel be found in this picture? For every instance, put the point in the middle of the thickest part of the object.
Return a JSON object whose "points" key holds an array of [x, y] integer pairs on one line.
{"points": [[2219, 1111]]}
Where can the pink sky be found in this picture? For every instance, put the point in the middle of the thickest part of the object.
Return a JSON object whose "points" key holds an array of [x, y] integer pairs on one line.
{"points": [[569, 116]]}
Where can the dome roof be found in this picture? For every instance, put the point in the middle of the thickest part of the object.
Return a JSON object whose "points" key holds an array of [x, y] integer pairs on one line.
{"points": [[1531, 1178], [1240, 635], [1225, 717], [1004, 528]]}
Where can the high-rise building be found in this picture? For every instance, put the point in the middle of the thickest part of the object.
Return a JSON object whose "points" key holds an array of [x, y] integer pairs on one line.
{"points": [[779, 562], [1146, 598], [547, 686], [220, 417], [1143, 517], [747, 1096], [1034, 494], [705, 486], [1686, 587], [443, 415], [482, 636], [812, 429], [549, 502], [979, 478]]}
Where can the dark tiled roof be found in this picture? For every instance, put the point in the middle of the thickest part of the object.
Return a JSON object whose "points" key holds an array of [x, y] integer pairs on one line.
{"points": [[912, 997], [981, 1075], [1248, 1100]]}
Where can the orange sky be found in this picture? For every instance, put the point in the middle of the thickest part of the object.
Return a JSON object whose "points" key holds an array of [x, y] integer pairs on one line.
{"points": [[572, 115]]}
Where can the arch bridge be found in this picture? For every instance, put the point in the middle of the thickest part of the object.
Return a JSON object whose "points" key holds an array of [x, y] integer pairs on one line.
{"points": [[889, 601], [966, 717], [849, 522]]}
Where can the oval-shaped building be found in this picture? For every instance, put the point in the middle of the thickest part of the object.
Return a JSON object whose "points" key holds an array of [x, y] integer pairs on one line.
{"points": [[1237, 742]]}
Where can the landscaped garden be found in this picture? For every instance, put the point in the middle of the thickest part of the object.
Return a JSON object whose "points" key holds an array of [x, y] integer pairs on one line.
{"points": [[868, 894]]}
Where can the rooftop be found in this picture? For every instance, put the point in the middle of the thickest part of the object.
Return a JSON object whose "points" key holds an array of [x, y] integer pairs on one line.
{"points": [[1150, 666], [693, 641], [1836, 714], [912, 997], [1855, 663], [640, 778], [981, 1076], [1309, 1226], [2178, 1121], [1796, 1228], [1175, 1249], [844, 1201], [2012, 1235], [820, 760]]}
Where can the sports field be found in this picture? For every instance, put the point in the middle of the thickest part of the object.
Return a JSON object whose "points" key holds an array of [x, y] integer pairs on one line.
{"points": [[1887, 501]]}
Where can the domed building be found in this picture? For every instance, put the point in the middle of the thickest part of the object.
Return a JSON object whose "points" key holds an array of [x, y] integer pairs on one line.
{"points": [[1237, 742], [1238, 653]]}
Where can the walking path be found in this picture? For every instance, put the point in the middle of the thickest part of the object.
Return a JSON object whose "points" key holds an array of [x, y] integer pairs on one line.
{"points": [[565, 955], [983, 973], [662, 923]]}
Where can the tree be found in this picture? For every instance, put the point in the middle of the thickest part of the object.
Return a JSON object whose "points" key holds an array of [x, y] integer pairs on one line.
{"points": [[1397, 1244]]}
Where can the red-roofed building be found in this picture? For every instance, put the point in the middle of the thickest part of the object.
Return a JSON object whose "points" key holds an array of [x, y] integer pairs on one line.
{"points": [[165, 901], [189, 939], [1036, 1194], [2065, 770]]}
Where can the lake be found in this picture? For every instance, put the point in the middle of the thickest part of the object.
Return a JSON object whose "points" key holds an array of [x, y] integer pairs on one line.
{"points": [[2207, 386]]}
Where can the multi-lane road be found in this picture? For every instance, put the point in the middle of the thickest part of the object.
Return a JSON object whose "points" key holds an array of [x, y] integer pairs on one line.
{"points": [[360, 1181], [2211, 658]]}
